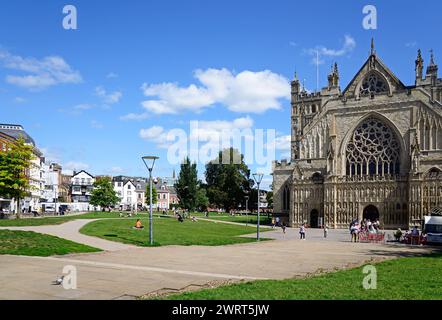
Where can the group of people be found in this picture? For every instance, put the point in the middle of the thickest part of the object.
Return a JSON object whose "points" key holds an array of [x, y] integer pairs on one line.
{"points": [[410, 234], [276, 222], [366, 226]]}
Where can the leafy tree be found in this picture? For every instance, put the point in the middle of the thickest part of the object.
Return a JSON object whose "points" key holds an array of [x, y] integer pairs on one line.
{"points": [[103, 194], [154, 195], [187, 185], [228, 179], [202, 201], [15, 164]]}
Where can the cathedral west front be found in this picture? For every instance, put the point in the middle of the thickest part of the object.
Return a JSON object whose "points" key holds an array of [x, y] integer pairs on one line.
{"points": [[372, 150]]}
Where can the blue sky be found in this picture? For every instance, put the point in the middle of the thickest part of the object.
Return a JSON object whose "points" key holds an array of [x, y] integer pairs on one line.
{"points": [[90, 97]]}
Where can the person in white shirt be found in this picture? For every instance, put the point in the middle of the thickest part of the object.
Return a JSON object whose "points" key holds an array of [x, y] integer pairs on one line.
{"points": [[302, 232]]}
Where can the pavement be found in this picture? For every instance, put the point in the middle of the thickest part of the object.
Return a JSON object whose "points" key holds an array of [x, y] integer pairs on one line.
{"points": [[126, 272]]}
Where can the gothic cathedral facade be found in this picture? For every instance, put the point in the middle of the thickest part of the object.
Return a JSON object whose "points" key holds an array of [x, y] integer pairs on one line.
{"points": [[373, 150]]}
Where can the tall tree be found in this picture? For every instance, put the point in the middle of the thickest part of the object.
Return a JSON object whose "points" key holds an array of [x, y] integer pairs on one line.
{"points": [[228, 179], [103, 194], [15, 165], [187, 185], [154, 195], [202, 201]]}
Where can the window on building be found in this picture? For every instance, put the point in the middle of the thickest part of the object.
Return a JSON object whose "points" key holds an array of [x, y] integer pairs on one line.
{"points": [[373, 84], [286, 198], [373, 150]]}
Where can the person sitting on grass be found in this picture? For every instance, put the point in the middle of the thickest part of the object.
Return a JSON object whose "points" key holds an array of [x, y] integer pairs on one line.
{"points": [[138, 225], [180, 218], [398, 235]]}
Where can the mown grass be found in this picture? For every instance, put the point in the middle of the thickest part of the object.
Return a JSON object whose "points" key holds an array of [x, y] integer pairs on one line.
{"points": [[29, 243], [56, 220], [416, 278], [168, 231], [252, 219]]}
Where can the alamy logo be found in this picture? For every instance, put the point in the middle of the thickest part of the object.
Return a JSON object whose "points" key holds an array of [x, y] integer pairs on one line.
{"points": [[370, 281], [70, 277], [370, 21], [70, 20]]}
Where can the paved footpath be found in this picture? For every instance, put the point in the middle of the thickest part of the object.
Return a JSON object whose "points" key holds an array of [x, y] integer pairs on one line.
{"points": [[128, 272], [70, 231]]}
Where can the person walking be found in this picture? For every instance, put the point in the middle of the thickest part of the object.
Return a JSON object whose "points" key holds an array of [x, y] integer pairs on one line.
{"points": [[302, 232], [325, 231], [354, 233]]}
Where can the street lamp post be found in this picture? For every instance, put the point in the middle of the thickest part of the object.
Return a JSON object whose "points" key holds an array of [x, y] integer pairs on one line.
{"points": [[149, 162], [258, 178], [247, 210]]}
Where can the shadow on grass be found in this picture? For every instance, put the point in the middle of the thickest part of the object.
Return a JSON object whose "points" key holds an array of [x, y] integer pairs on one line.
{"points": [[413, 251]]}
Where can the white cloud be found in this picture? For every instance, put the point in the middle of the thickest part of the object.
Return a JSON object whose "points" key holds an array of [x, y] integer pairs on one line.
{"points": [[247, 91], [112, 75], [96, 124], [75, 166], [282, 143], [135, 116], [83, 106], [214, 130], [151, 133], [117, 170], [207, 132], [348, 46], [19, 100], [51, 154], [39, 73], [108, 97]]}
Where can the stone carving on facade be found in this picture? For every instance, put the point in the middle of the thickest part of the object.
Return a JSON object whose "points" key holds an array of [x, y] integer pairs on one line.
{"points": [[415, 155], [387, 167]]}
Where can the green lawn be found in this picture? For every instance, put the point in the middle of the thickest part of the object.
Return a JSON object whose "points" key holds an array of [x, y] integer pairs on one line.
{"points": [[264, 220], [168, 231], [418, 278], [34, 244], [57, 220], [252, 219]]}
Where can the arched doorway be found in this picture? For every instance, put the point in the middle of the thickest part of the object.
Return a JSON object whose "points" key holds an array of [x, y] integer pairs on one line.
{"points": [[314, 219], [371, 213]]}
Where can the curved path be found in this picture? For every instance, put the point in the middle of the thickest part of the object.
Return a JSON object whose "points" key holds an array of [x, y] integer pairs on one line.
{"points": [[71, 231], [124, 271]]}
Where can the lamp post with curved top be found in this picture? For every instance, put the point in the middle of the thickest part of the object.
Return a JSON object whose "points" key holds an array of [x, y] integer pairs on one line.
{"points": [[149, 162]]}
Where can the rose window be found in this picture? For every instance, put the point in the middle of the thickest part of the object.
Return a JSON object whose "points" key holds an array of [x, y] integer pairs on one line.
{"points": [[373, 84], [373, 150]]}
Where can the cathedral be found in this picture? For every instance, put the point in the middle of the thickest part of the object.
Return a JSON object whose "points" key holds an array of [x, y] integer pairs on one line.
{"points": [[370, 151]]}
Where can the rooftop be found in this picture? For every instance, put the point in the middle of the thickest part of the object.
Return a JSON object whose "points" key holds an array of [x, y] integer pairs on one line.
{"points": [[15, 131]]}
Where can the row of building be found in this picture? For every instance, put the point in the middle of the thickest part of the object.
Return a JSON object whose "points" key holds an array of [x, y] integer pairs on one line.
{"points": [[52, 188]]}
